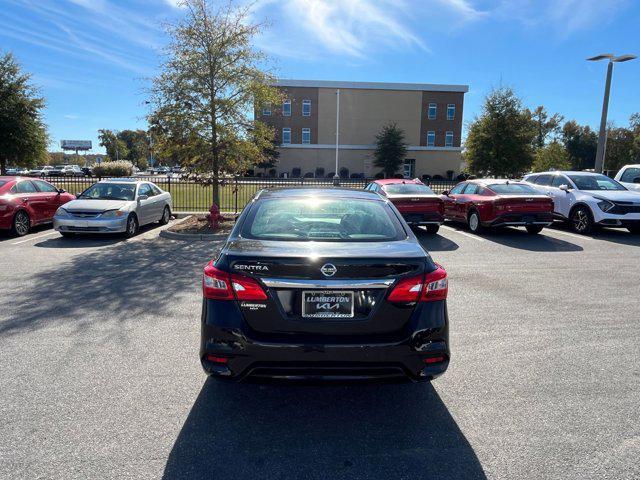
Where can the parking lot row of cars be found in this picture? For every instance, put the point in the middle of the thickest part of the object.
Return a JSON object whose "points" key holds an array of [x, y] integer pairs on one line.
{"points": [[78, 171], [585, 200], [109, 206]]}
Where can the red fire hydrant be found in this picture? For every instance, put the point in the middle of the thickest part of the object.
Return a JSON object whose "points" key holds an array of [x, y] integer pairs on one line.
{"points": [[214, 217]]}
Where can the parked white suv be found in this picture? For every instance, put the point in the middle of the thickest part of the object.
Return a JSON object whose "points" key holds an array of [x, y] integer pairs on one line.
{"points": [[629, 176], [587, 200]]}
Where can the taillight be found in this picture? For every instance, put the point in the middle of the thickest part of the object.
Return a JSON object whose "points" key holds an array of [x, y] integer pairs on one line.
{"points": [[216, 284], [436, 285], [219, 285], [247, 288], [425, 288], [407, 290]]}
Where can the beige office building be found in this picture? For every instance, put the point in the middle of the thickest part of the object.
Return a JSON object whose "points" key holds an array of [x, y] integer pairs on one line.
{"points": [[430, 116]]}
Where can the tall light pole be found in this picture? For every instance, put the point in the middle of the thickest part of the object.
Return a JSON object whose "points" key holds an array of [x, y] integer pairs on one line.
{"points": [[336, 177], [602, 137]]}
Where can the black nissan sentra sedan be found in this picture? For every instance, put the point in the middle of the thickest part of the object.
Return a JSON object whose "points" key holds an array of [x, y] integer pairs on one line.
{"points": [[323, 284]]}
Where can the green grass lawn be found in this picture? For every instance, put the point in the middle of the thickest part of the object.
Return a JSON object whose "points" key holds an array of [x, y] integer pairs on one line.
{"points": [[187, 197]]}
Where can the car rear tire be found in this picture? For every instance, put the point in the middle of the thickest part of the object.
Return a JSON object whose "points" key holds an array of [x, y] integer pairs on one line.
{"points": [[21, 224], [132, 226], [473, 220], [166, 215], [432, 228], [534, 229], [581, 220]]}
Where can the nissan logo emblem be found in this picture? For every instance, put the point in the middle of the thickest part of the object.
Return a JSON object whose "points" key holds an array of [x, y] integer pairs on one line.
{"points": [[328, 269]]}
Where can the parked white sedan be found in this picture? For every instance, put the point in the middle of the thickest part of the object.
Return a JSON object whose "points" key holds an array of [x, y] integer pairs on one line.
{"points": [[114, 206]]}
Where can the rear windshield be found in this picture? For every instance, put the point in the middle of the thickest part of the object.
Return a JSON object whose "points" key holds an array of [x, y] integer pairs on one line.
{"points": [[595, 182], [513, 189], [321, 219], [408, 188], [3, 182]]}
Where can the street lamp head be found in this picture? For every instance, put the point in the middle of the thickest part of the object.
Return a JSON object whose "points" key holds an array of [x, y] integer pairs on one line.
{"points": [[624, 58], [602, 56]]}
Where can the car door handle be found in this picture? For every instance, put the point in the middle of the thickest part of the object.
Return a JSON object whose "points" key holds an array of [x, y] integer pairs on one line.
{"points": [[25, 199]]}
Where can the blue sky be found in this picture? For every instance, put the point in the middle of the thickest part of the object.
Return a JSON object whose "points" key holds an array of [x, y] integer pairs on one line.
{"points": [[91, 58]]}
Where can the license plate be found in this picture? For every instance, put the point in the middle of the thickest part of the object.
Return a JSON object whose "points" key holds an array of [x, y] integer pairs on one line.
{"points": [[327, 304]]}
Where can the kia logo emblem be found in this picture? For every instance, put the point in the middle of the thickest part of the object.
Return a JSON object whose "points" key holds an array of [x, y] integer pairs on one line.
{"points": [[328, 269]]}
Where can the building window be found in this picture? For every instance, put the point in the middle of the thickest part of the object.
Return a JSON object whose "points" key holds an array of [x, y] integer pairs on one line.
{"points": [[451, 111], [433, 108], [286, 108], [306, 108], [448, 139], [266, 112], [286, 136], [306, 135], [431, 138]]}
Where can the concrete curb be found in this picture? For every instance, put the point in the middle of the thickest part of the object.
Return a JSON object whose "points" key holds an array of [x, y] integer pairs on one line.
{"points": [[190, 236]]}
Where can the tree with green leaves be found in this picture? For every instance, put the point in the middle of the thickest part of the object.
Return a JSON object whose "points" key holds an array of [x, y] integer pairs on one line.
{"points": [[551, 157], [546, 127], [620, 148], [269, 153], [581, 144], [137, 142], [501, 140], [391, 149], [211, 79], [115, 146], [23, 134]]}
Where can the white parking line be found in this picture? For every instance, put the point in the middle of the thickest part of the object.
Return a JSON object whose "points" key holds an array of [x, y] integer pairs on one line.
{"points": [[462, 233], [575, 235], [34, 238]]}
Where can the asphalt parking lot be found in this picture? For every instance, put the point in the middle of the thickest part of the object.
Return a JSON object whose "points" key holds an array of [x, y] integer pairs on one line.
{"points": [[100, 373]]}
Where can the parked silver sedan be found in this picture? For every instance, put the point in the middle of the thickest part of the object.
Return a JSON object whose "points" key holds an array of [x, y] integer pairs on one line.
{"points": [[114, 206]]}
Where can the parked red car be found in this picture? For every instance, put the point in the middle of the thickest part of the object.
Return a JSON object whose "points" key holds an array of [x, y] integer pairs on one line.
{"points": [[25, 202], [414, 200], [498, 203]]}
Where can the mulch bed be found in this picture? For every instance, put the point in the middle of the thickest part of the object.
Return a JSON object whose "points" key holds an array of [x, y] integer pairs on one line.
{"points": [[198, 224]]}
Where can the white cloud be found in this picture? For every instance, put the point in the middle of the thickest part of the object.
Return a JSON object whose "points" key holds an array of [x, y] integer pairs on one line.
{"points": [[347, 27]]}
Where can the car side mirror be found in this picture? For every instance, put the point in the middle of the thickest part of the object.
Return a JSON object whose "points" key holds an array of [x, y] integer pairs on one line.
{"points": [[636, 180], [445, 192], [77, 194], [142, 197], [61, 190], [564, 188]]}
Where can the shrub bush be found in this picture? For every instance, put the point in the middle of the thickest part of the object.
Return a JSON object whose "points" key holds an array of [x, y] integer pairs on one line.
{"points": [[117, 168]]}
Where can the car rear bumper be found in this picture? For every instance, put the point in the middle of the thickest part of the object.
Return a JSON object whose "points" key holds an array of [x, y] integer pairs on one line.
{"points": [[92, 225], [422, 218], [521, 220], [225, 335]]}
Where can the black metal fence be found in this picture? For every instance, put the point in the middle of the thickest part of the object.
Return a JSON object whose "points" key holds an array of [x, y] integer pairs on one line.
{"points": [[235, 192]]}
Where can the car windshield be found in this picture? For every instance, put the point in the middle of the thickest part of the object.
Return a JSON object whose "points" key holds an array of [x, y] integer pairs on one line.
{"points": [[109, 191], [318, 219], [595, 182], [513, 189], [58, 167], [407, 188]]}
